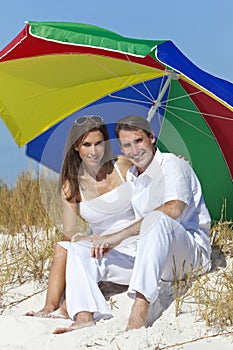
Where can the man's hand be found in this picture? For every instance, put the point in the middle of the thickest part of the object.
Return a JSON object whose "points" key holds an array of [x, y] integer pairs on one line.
{"points": [[182, 157]]}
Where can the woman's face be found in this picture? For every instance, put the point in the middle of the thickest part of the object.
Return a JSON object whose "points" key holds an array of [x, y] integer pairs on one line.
{"points": [[91, 149]]}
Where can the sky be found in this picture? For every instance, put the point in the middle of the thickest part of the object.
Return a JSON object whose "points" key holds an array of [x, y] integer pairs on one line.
{"points": [[201, 29]]}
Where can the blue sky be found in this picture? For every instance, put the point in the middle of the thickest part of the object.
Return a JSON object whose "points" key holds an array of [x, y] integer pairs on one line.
{"points": [[202, 30]]}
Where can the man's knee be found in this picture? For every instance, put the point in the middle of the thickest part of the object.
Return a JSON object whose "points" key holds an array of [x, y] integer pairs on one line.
{"points": [[154, 220]]}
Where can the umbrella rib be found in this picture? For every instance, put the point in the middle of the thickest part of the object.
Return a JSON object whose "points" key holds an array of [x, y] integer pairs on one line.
{"points": [[161, 121], [129, 99], [138, 75], [162, 80], [182, 96], [198, 112], [160, 118], [123, 80], [188, 123]]}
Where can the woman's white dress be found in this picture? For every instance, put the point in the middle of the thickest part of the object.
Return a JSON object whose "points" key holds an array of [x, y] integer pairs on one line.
{"points": [[107, 213]]}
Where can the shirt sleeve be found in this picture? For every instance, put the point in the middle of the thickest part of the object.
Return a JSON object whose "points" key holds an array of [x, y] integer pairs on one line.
{"points": [[177, 180]]}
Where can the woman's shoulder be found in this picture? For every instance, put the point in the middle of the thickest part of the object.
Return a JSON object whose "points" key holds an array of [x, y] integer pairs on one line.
{"points": [[123, 163], [122, 160]]}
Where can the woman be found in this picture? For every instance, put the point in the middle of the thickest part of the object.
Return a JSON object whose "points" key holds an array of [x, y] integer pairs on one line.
{"points": [[92, 182]]}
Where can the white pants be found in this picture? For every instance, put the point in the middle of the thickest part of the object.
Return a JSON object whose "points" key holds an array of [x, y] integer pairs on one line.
{"points": [[162, 243], [83, 274]]}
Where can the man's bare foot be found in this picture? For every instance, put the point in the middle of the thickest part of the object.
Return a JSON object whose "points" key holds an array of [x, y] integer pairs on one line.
{"points": [[83, 319], [138, 315]]}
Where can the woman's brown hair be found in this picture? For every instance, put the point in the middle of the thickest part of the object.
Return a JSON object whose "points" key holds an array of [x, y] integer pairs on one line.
{"points": [[72, 161]]}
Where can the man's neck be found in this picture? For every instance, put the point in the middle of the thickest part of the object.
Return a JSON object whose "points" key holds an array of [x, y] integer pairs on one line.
{"points": [[141, 170]]}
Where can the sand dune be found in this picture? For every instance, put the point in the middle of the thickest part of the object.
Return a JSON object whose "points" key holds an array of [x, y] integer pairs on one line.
{"points": [[19, 332]]}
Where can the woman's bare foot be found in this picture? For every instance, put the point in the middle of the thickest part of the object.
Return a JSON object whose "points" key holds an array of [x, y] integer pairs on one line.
{"points": [[44, 313], [59, 313], [83, 319], [74, 326], [138, 315], [49, 313]]}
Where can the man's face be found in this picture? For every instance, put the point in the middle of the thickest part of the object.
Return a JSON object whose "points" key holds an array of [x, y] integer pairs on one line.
{"points": [[137, 147]]}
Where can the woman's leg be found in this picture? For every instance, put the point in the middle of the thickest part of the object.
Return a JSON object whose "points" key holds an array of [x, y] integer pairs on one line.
{"points": [[85, 301], [56, 286]]}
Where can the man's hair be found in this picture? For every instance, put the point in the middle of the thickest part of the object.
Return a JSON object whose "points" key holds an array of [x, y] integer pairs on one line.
{"points": [[132, 123]]}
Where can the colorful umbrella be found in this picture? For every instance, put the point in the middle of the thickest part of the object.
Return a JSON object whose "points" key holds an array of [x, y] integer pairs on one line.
{"points": [[52, 72]]}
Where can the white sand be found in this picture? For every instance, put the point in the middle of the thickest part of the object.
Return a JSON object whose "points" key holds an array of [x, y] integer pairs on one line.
{"points": [[18, 332]]}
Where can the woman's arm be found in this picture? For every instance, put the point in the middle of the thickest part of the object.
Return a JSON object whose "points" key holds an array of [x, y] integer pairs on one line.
{"points": [[69, 217]]}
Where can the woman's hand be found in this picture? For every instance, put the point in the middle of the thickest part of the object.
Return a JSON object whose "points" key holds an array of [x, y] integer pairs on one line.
{"points": [[81, 237], [102, 244]]}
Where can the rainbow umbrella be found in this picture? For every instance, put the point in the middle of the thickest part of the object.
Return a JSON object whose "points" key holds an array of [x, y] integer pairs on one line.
{"points": [[53, 72]]}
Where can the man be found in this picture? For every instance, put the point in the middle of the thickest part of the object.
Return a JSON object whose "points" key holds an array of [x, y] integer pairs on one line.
{"points": [[174, 234]]}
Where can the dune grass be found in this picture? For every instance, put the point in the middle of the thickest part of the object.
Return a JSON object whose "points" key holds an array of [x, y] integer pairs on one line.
{"points": [[211, 292], [29, 229]]}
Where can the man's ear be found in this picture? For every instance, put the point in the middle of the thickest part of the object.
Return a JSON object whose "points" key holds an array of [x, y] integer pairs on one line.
{"points": [[119, 142], [152, 137], [121, 150]]}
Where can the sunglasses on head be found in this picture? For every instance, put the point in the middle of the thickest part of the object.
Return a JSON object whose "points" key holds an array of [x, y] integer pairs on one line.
{"points": [[84, 118]]}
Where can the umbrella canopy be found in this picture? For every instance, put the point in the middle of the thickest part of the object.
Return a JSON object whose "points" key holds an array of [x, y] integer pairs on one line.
{"points": [[52, 72]]}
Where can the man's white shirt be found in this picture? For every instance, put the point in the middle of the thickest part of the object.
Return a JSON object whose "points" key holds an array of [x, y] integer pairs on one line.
{"points": [[171, 178]]}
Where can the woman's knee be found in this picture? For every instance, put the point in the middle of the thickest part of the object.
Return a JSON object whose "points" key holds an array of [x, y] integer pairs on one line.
{"points": [[59, 251]]}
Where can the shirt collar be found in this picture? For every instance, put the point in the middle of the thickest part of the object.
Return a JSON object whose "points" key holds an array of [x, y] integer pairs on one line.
{"points": [[157, 160]]}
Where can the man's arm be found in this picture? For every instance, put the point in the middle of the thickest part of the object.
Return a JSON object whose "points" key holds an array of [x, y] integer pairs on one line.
{"points": [[105, 243], [174, 208]]}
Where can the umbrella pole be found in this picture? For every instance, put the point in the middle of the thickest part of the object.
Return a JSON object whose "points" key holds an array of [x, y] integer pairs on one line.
{"points": [[155, 106]]}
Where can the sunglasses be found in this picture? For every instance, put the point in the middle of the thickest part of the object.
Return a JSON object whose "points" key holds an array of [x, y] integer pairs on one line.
{"points": [[84, 118]]}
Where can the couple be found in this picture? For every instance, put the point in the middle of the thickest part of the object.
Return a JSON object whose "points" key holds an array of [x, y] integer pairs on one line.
{"points": [[147, 214]]}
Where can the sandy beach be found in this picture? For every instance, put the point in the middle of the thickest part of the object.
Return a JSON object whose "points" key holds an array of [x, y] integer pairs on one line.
{"points": [[167, 331]]}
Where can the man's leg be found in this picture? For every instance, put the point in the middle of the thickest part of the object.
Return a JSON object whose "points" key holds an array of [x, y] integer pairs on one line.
{"points": [[162, 242], [138, 315]]}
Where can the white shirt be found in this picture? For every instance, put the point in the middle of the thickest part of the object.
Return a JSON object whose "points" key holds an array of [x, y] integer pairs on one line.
{"points": [[171, 178]]}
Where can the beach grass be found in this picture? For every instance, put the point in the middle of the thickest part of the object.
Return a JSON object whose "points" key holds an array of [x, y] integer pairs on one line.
{"points": [[28, 230], [211, 292], [28, 235]]}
